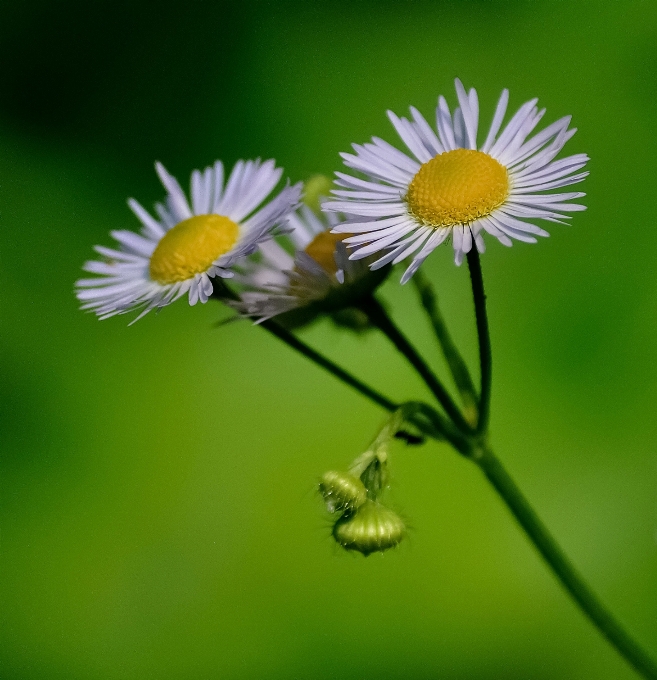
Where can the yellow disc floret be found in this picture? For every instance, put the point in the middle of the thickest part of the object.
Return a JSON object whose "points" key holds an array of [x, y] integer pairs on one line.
{"points": [[457, 187], [322, 250], [191, 247]]}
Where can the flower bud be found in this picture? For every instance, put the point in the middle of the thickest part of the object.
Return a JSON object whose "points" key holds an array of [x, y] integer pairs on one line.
{"points": [[342, 491], [371, 528], [314, 188]]}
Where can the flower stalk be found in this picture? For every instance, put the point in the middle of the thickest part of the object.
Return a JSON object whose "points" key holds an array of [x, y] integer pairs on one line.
{"points": [[379, 318], [562, 567], [485, 353], [402, 209], [522, 510], [473, 445], [457, 366]]}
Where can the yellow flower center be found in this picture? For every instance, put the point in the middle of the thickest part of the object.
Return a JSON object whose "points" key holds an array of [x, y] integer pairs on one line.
{"points": [[191, 247], [322, 250], [457, 187]]}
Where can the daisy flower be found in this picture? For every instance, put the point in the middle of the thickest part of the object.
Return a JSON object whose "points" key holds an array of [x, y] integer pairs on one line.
{"points": [[450, 185], [317, 278], [188, 244]]}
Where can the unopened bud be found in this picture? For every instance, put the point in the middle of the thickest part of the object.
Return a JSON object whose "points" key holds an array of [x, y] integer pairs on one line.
{"points": [[316, 187], [342, 491], [371, 528]]}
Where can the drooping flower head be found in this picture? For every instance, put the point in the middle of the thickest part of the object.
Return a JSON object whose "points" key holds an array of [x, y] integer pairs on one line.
{"points": [[188, 244], [451, 184], [304, 274]]}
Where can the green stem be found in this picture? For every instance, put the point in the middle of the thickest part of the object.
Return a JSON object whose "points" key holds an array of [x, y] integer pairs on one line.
{"points": [[434, 425], [427, 420], [485, 355], [457, 365], [335, 370], [562, 567], [379, 318]]}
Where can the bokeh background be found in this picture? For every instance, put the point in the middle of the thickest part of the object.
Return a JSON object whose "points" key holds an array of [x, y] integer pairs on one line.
{"points": [[157, 510]]}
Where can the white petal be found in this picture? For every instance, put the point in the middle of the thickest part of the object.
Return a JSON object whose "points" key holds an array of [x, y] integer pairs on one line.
{"points": [[510, 231], [398, 229], [410, 137], [426, 133], [444, 125], [544, 199], [367, 209], [196, 190], [231, 192], [511, 153], [494, 231], [537, 141], [151, 225], [512, 127], [459, 129], [500, 110], [355, 182], [470, 116], [134, 243], [218, 186], [376, 168], [413, 243], [555, 184], [380, 150], [176, 197], [255, 189], [374, 247], [364, 195], [518, 225], [357, 227]]}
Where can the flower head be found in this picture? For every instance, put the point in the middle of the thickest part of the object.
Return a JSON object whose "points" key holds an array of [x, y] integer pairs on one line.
{"points": [[342, 491], [450, 185], [318, 278], [189, 244], [371, 528]]}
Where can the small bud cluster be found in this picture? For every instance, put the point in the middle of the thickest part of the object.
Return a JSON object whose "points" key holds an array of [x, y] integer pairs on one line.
{"points": [[365, 525]]}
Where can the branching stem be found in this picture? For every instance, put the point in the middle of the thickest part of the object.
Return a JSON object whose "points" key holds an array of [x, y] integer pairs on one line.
{"points": [[378, 316]]}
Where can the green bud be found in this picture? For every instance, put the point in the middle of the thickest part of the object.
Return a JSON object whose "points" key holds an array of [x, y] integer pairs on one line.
{"points": [[371, 528], [342, 491], [315, 187]]}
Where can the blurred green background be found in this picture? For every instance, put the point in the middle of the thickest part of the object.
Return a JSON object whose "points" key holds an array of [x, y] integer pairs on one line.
{"points": [[157, 509]]}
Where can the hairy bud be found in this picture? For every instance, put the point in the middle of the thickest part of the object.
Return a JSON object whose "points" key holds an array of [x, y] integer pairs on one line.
{"points": [[342, 491], [371, 528]]}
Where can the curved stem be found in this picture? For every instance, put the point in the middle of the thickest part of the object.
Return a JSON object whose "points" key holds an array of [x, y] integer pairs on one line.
{"points": [[561, 565], [431, 423], [485, 355], [428, 421], [379, 318], [328, 365]]}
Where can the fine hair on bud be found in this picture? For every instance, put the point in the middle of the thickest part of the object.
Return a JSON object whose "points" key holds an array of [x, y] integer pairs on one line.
{"points": [[342, 492], [371, 528]]}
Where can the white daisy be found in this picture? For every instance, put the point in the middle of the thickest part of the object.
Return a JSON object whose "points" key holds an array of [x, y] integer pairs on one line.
{"points": [[451, 186], [317, 278], [189, 244]]}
